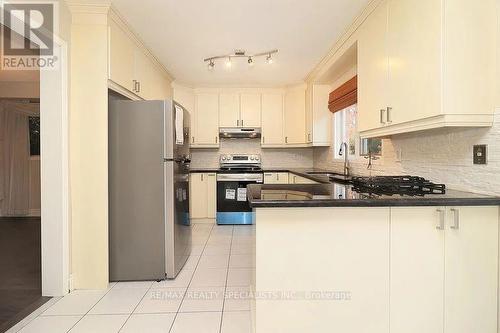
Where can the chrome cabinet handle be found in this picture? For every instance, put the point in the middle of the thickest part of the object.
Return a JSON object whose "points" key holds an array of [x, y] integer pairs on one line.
{"points": [[237, 122], [442, 214], [309, 137], [192, 141], [268, 174], [263, 139], [286, 139], [242, 122], [138, 86], [135, 85], [456, 218], [277, 176], [201, 177], [216, 139], [382, 116]]}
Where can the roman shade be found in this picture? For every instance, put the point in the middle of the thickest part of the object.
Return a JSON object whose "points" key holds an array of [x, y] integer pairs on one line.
{"points": [[344, 96]]}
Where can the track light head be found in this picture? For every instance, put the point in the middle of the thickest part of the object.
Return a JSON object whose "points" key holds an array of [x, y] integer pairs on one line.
{"points": [[211, 65], [269, 59], [229, 63], [250, 61]]}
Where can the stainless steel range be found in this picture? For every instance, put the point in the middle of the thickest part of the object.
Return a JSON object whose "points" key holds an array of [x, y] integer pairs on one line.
{"points": [[237, 171]]}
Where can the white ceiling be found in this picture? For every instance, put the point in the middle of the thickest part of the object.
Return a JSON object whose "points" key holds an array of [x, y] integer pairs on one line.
{"points": [[181, 33]]}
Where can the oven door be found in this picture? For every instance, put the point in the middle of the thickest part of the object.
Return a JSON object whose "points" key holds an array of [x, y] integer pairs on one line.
{"points": [[232, 202]]}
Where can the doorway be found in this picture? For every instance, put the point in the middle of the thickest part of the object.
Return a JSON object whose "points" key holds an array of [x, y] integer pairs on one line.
{"points": [[20, 196]]}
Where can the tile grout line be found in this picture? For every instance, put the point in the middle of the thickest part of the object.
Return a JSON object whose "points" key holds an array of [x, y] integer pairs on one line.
{"points": [[190, 280], [225, 284], [93, 306], [130, 314]]}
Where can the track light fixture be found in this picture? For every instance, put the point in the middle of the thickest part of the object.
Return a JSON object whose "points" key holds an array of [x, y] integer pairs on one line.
{"points": [[240, 54]]}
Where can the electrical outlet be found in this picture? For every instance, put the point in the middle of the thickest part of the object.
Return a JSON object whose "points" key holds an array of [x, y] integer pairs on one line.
{"points": [[480, 153]]}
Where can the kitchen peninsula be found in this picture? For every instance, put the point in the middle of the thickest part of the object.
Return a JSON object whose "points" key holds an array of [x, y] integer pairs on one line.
{"points": [[349, 261]]}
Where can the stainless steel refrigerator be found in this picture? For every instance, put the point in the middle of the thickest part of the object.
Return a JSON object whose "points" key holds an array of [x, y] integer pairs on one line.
{"points": [[149, 225]]}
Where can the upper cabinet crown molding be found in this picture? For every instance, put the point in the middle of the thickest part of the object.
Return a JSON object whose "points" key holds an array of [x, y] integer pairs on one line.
{"points": [[122, 23]]}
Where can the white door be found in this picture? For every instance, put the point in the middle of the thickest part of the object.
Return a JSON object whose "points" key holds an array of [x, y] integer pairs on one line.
{"points": [[295, 116], [207, 120], [229, 110], [373, 70], [471, 270], [198, 203], [250, 110], [417, 270], [272, 119], [414, 49]]}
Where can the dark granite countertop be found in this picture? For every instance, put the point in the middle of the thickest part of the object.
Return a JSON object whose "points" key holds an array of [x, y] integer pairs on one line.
{"points": [[310, 173], [338, 194]]}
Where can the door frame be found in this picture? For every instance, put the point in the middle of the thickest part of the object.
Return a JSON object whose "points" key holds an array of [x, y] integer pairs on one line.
{"points": [[54, 171]]}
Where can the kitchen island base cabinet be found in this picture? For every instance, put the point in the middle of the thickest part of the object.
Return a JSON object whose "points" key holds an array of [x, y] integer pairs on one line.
{"points": [[431, 269], [445, 260], [340, 255]]}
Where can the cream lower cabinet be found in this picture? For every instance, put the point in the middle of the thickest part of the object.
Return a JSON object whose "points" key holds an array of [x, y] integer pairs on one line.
{"points": [[444, 269], [276, 177], [295, 179], [202, 195], [426, 64]]}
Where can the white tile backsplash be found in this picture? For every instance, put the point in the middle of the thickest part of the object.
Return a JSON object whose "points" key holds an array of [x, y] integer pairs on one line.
{"points": [[441, 155], [271, 158]]}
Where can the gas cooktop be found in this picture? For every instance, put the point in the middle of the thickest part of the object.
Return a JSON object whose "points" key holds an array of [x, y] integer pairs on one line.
{"points": [[396, 185]]}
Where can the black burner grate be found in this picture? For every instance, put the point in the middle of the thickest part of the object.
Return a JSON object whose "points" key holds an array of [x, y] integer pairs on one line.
{"points": [[396, 185]]}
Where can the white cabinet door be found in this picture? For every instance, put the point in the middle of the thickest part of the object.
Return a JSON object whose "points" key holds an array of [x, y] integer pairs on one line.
{"points": [[229, 110], [295, 116], [211, 195], [276, 178], [272, 119], [206, 120], [321, 116], [414, 48], [373, 70], [471, 278], [250, 110], [417, 270], [198, 204], [121, 57]]}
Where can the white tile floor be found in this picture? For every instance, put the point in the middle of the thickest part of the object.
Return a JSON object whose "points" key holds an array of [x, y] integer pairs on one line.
{"points": [[208, 295]]}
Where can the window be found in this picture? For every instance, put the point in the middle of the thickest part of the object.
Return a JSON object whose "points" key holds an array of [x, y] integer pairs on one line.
{"points": [[345, 130], [34, 124]]}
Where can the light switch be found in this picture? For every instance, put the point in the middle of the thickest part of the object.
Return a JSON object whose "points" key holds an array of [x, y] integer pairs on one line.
{"points": [[480, 154]]}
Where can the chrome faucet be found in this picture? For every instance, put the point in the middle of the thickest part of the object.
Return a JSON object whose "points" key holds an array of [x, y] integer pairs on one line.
{"points": [[343, 151]]}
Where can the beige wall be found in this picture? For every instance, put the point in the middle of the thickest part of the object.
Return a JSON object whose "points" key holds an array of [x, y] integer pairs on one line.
{"points": [[88, 147]]}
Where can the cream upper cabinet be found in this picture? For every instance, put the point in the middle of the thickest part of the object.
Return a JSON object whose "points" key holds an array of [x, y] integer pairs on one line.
{"points": [[426, 64], [321, 116], [414, 49], [132, 70], [206, 121], [250, 110], [272, 119], [295, 116], [229, 110], [121, 57], [373, 70]]}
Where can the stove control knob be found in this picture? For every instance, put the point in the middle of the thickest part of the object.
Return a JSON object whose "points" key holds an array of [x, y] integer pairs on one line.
{"points": [[223, 158], [252, 158], [257, 158]]}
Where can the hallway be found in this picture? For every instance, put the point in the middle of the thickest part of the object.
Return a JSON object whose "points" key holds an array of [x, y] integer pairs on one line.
{"points": [[20, 273]]}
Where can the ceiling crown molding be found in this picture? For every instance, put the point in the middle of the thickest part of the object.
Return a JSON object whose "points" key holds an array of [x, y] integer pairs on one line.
{"points": [[89, 6]]}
